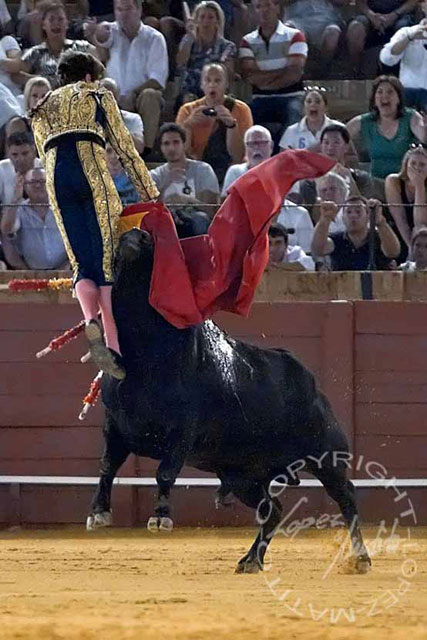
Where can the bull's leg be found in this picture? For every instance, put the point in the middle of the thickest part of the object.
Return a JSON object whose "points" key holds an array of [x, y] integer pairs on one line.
{"points": [[340, 489], [268, 514], [115, 453], [167, 472]]}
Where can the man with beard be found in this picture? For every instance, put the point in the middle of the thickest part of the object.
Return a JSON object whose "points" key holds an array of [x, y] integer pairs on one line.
{"points": [[349, 249], [258, 147]]}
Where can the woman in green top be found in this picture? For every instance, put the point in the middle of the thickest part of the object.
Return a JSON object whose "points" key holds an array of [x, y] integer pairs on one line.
{"points": [[389, 127]]}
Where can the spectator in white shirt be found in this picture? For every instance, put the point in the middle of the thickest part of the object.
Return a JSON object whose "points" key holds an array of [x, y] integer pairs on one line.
{"points": [[282, 253], [408, 47], [10, 62], [133, 121], [258, 147], [136, 58], [305, 134], [299, 224]]}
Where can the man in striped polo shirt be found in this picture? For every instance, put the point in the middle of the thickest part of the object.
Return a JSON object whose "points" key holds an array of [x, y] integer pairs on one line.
{"points": [[272, 60]]}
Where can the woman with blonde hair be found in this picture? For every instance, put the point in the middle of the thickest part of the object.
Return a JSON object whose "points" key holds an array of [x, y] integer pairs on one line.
{"points": [[406, 195], [203, 43], [35, 89]]}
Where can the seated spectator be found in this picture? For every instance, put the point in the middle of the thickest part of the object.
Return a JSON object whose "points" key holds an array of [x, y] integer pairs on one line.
{"points": [[406, 196], [35, 89], [215, 125], [389, 127], [348, 250], [330, 188], [136, 58], [203, 43], [272, 60], [42, 59], [407, 48], [282, 253], [10, 62], [334, 144], [5, 19], [29, 27], [322, 23], [258, 147], [31, 226], [297, 221], [418, 251], [22, 157], [185, 185], [376, 22], [305, 134], [133, 121], [124, 185]]}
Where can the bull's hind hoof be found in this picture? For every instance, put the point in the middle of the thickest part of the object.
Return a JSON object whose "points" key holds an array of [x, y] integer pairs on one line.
{"points": [[249, 566], [363, 564], [155, 524], [98, 520]]}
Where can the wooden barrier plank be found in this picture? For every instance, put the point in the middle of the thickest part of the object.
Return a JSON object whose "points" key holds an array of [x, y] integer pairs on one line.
{"points": [[391, 387], [22, 346], [47, 317], [336, 378], [391, 353], [401, 455], [404, 318], [38, 443], [391, 419], [280, 319], [43, 411], [42, 378]]}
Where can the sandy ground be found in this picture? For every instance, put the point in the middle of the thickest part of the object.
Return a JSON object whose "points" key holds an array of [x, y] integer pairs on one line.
{"points": [[130, 584]]}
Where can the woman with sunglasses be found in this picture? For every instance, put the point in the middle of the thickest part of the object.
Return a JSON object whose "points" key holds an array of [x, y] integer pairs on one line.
{"points": [[406, 195]]}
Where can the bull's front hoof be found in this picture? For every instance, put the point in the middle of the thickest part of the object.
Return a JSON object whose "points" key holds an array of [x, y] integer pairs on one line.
{"points": [[363, 564], [153, 524], [166, 524], [98, 520], [156, 523], [248, 566]]}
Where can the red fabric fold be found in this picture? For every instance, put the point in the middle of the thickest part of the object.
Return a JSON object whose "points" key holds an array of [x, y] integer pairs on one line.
{"points": [[195, 277]]}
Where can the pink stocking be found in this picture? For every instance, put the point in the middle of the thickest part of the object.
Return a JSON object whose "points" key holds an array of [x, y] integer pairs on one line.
{"points": [[88, 295], [110, 329]]}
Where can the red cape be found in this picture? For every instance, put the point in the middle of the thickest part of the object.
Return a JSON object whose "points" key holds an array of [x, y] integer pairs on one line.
{"points": [[195, 277]]}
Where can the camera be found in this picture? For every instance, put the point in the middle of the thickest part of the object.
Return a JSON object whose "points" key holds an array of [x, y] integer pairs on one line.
{"points": [[209, 111]]}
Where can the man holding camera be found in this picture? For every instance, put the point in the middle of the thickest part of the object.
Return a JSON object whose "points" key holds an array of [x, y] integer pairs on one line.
{"points": [[215, 124]]}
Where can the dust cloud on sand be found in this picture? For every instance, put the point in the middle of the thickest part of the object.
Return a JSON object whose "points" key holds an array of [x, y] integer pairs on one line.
{"points": [[132, 585]]}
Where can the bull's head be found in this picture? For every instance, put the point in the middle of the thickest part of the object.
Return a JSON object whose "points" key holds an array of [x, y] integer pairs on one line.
{"points": [[134, 254]]}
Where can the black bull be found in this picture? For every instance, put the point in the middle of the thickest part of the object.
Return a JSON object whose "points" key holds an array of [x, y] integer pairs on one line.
{"points": [[198, 397]]}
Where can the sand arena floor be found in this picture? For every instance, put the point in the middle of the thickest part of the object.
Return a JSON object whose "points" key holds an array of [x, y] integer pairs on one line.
{"points": [[130, 584]]}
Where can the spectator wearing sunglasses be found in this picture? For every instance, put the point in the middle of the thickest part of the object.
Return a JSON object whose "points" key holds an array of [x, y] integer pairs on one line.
{"points": [[408, 47], [406, 196]]}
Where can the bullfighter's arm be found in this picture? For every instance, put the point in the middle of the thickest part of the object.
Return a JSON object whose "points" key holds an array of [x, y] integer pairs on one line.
{"points": [[122, 143]]}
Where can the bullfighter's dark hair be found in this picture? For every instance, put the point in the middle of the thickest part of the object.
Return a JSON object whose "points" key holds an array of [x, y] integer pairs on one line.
{"points": [[75, 65], [277, 230], [336, 128], [172, 127], [20, 138]]}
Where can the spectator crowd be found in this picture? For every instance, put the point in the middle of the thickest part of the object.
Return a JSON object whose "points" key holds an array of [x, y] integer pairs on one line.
{"points": [[209, 90]]}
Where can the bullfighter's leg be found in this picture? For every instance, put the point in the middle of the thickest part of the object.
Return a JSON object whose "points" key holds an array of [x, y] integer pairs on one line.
{"points": [[340, 489], [115, 454], [167, 472], [268, 515]]}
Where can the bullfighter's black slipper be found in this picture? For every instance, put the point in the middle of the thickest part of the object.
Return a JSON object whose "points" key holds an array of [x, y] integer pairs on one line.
{"points": [[101, 355]]}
